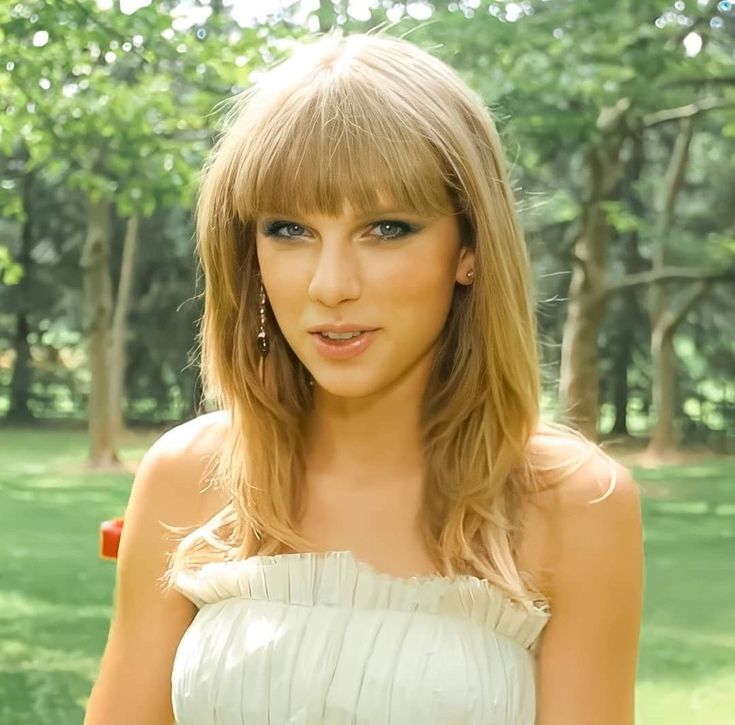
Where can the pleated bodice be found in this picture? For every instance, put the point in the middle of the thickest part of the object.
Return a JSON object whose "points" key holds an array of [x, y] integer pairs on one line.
{"points": [[322, 638]]}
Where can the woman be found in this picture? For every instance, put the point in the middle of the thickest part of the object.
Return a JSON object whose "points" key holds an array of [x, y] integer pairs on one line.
{"points": [[378, 527]]}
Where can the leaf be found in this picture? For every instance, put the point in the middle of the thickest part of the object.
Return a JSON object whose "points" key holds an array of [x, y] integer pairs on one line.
{"points": [[11, 272]]}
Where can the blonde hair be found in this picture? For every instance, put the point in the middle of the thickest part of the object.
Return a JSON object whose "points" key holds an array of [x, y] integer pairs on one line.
{"points": [[420, 136]]}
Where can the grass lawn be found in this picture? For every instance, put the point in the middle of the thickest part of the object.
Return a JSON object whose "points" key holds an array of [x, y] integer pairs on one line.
{"points": [[56, 594]]}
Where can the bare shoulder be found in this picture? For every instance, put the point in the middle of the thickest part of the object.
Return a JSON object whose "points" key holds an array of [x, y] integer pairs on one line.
{"points": [[188, 451], [589, 489], [596, 504], [581, 473], [170, 487], [198, 437], [588, 654]]}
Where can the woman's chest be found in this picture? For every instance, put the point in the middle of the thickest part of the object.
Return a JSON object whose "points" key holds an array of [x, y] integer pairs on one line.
{"points": [[387, 534], [249, 661], [380, 528]]}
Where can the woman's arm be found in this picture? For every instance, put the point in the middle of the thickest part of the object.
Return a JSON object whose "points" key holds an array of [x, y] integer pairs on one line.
{"points": [[587, 660], [134, 683]]}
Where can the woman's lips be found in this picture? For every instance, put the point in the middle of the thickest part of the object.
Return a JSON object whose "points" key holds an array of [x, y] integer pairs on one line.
{"points": [[343, 349]]}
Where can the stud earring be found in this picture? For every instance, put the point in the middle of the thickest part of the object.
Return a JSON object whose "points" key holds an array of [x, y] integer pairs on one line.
{"points": [[470, 274]]}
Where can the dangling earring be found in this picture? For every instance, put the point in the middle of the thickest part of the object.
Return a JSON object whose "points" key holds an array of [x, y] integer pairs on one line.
{"points": [[262, 339]]}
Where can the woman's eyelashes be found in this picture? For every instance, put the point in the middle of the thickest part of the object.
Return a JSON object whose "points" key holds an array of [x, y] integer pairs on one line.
{"points": [[386, 229], [275, 229], [395, 229]]}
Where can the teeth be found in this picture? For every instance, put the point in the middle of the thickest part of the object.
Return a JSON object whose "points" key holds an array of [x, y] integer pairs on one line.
{"points": [[341, 335]]}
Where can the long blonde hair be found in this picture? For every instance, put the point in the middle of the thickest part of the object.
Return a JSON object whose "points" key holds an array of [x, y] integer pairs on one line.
{"points": [[347, 119]]}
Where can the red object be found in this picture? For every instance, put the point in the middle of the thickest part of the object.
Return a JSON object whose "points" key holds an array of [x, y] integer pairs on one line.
{"points": [[110, 537]]}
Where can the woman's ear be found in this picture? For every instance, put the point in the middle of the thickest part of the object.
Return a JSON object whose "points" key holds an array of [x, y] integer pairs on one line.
{"points": [[466, 264]]}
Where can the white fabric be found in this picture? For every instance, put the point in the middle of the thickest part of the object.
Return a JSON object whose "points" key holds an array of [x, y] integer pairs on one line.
{"points": [[321, 638]]}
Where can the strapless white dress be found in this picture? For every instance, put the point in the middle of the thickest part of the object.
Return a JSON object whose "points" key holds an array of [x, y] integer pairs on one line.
{"points": [[322, 638]]}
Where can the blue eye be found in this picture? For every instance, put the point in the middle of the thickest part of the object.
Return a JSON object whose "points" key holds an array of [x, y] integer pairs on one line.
{"points": [[386, 229], [390, 229], [274, 229]]}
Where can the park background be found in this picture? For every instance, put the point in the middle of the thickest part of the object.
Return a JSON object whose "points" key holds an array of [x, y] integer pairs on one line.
{"points": [[619, 123]]}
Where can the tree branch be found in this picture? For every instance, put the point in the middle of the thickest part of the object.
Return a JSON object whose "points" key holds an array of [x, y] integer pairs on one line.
{"points": [[692, 298], [688, 111], [718, 80], [668, 274]]}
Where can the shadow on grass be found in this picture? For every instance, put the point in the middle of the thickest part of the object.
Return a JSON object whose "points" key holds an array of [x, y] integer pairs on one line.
{"points": [[56, 594], [687, 656]]}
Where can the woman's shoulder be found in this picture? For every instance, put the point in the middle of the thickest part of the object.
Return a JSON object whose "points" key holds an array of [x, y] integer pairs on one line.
{"points": [[194, 442], [186, 454], [574, 470], [201, 435], [584, 484]]}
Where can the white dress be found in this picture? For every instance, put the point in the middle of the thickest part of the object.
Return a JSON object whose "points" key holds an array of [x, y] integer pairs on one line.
{"points": [[321, 638]]}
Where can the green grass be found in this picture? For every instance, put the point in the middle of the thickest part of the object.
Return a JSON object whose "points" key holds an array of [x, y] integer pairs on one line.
{"points": [[686, 673], [56, 593]]}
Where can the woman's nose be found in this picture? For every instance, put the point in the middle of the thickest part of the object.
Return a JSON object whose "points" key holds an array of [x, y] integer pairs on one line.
{"points": [[336, 276]]}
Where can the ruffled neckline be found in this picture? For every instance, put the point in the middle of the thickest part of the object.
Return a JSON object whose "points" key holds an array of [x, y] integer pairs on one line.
{"points": [[339, 578]]}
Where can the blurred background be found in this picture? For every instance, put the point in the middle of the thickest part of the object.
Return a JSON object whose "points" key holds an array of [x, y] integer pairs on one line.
{"points": [[619, 123]]}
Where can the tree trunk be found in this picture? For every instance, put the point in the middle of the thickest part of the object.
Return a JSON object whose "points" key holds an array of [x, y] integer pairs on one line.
{"points": [[98, 303], [663, 438], [19, 412], [663, 323], [579, 376], [119, 332], [630, 311], [620, 387]]}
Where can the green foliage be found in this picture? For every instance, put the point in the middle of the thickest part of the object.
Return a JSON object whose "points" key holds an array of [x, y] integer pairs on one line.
{"points": [[126, 106], [620, 218], [117, 97], [10, 272]]}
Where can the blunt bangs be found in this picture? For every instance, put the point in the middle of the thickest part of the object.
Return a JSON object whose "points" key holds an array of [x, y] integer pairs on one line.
{"points": [[340, 139]]}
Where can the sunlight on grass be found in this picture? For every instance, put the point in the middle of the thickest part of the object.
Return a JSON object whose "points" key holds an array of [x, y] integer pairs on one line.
{"points": [[16, 604], [686, 669], [709, 703], [56, 593]]}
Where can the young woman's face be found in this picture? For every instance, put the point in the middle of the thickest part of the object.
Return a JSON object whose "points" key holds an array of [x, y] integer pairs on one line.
{"points": [[388, 271]]}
